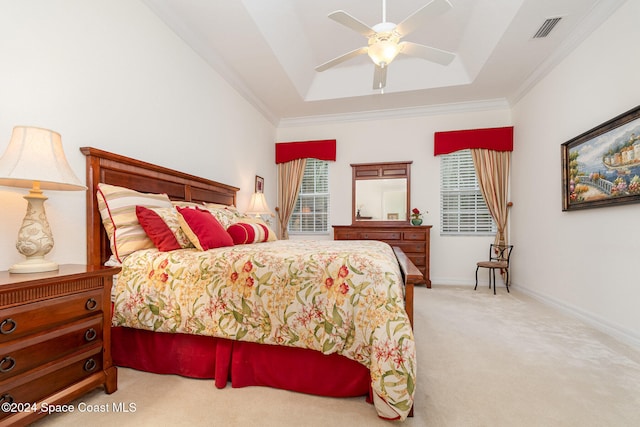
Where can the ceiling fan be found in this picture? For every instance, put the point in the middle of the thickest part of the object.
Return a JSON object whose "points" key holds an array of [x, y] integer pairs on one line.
{"points": [[384, 40]]}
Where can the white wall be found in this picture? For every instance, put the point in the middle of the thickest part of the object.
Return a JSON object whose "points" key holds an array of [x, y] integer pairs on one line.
{"points": [[453, 259], [584, 261], [109, 74]]}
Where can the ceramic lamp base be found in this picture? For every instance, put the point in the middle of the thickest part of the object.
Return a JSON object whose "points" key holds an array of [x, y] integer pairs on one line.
{"points": [[33, 265], [34, 238]]}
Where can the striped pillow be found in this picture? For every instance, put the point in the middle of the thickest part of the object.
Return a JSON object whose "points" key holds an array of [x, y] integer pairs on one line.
{"points": [[163, 228], [117, 207], [270, 235], [250, 232]]}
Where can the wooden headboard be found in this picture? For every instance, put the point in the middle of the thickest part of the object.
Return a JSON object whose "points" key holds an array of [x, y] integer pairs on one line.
{"points": [[115, 169]]}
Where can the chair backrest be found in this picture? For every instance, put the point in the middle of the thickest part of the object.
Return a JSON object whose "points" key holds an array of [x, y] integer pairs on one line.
{"points": [[500, 252]]}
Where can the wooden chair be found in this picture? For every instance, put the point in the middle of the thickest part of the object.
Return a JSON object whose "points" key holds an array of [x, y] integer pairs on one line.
{"points": [[498, 259]]}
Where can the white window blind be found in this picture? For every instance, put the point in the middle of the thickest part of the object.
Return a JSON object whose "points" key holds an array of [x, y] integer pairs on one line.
{"points": [[462, 207], [311, 213]]}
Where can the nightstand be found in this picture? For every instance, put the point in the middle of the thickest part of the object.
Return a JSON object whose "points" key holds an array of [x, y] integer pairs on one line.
{"points": [[55, 339]]}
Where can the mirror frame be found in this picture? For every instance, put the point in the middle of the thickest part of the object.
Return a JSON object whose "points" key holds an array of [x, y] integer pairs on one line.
{"points": [[385, 170]]}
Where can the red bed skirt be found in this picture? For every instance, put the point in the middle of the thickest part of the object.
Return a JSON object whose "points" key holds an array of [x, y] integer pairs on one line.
{"points": [[244, 363]]}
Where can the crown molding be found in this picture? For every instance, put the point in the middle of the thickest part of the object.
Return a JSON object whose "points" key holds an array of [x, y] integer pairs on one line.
{"points": [[431, 110]]}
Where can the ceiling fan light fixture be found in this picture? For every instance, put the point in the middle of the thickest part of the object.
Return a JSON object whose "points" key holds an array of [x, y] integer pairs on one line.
{"points": [[383, 49], [384, 40]]}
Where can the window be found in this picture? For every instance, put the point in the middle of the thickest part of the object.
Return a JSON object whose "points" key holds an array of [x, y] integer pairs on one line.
{"points": [[462, 207], [311, 213]]}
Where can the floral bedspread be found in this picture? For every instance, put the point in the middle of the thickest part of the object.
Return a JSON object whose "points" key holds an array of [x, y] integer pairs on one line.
{"points": [[341, 297]]}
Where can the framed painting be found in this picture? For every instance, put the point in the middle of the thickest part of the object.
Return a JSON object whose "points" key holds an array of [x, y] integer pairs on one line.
{"points": [[601, 167], [259, 184]]}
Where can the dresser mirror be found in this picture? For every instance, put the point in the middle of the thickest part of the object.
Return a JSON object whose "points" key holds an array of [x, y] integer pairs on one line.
{"points": [[381, 193]]}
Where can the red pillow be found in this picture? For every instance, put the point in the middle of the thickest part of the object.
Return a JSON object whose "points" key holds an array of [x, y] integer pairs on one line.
{"points": [[204, 231], [157, 230], [242, 233]]}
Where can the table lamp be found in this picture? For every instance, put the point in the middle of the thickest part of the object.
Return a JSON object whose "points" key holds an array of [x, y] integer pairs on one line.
{"points": [[258, 205], [34, 159]]}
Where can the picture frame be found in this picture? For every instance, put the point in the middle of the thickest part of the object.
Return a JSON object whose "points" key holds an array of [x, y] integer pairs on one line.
{"points": [[259, 184], [601, 167]]}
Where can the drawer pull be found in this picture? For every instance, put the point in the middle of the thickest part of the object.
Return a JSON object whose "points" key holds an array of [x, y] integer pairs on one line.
{"points": [[6, 398], [90, 334], [91, 304], [7, 326], [90, 365], [7, 363]]}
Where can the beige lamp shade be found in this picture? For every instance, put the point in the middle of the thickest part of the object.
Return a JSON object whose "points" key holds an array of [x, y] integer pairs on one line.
{"points": [[36, 154], [34, 159], [258, 205]]}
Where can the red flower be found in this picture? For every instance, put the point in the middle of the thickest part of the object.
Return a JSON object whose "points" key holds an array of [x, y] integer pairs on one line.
{"points": [[416, 211], [249, 282], [344, 288], [329, 282], [247, 266], [164, 263], [164, 277], [234, 276], [343, 272]]}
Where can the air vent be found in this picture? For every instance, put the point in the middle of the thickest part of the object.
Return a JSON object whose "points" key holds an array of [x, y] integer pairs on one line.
{"points": [[546, 27]]}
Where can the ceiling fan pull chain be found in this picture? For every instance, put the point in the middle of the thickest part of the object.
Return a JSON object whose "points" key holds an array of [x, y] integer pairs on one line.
{"points": [[384, 10]]}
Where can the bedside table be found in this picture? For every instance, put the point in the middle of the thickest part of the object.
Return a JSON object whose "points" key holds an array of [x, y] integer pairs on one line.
{"points": [[55, 339]]}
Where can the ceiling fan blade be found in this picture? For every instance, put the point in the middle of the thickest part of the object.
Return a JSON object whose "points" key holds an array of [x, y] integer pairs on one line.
{"points": [[347, 20], [379, 77], [341, 58], [422, 15], [429, 53]]}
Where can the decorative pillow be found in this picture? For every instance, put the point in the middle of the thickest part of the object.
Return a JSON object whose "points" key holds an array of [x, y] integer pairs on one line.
{"points": [[117, 207], [163, 228], [246, 232], [204, 231], [225, 216], [257, 220]]}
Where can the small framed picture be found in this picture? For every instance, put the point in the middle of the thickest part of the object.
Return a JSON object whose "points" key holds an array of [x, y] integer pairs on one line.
{"points": [[259, 184]]}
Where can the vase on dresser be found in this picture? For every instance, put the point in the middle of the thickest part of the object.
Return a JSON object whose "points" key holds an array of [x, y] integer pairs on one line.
{"points": [[416, 221]]}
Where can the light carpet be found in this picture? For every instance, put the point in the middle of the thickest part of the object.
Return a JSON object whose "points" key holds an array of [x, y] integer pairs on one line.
{"points": [[483, 360]]}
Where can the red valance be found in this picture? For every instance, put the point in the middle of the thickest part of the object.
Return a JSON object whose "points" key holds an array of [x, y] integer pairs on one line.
{"points": [[321, 150], [497, 139]]}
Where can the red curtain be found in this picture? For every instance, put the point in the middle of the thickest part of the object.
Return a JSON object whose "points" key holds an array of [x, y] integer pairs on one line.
{"points": [[321, 150], [496, 139]]}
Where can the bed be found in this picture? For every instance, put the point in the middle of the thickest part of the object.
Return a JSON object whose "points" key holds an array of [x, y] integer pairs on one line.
{"points": [[240, 347]]}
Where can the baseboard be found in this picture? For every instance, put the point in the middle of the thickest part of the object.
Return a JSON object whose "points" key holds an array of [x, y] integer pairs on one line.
{"points": [[626, 336], [462, 282]]}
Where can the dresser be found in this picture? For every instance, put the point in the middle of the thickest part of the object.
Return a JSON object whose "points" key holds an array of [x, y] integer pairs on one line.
{"points": [[413, 240], [55, 339]]}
